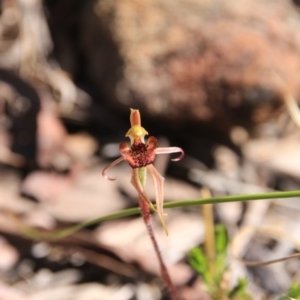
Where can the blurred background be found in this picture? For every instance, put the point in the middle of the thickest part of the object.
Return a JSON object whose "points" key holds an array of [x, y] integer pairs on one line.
{"points": [[203, 74]]}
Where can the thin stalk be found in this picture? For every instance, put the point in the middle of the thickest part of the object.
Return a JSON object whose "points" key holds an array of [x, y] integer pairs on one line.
{"points": [[145, 212], [209, 242], [36, 234]]}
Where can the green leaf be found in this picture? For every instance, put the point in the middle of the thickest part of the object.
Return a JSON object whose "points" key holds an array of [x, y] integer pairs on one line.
{"points": [[239, 291], [221, 239], [293, 293], [199, 263]]}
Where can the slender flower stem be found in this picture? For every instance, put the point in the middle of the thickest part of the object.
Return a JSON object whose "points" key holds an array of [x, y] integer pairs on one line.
{"points": [[145, 211]]}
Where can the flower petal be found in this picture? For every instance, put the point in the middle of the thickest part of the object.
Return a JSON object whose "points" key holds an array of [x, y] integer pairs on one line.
{"points": [[126, 152], [135, 181], [124, 149], [136, 132], [158, 182], [152, 143], [168, 150], [135, 117], [110, 166]]}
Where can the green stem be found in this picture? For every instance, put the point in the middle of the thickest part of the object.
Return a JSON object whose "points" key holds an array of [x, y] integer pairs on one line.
{"points": [[236, 198], [133, 211]]}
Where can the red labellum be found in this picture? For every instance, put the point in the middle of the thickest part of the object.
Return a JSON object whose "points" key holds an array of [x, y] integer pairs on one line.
{"points": [[139, 154]]}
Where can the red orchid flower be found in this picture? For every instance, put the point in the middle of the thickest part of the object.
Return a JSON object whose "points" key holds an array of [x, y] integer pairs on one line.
{"points": [[140, 156]]}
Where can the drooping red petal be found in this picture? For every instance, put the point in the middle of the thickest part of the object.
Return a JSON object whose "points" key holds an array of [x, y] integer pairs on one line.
{"points": [[168, 150], [110, 166], [158, 182]]}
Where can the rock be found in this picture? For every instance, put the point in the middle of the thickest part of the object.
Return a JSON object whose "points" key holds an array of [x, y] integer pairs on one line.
{"points": [[89, 196], [277, 155], [84, 292], [193, 61], [9, 193], [10, 293], [8, 256]]}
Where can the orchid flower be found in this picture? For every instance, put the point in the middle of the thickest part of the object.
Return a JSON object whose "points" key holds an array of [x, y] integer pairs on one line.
{"points": [[140, 156]]}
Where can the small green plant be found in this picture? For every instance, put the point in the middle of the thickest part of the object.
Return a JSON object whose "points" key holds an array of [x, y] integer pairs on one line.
{"points": [[213, 270]]}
